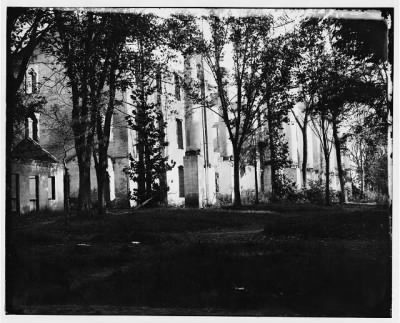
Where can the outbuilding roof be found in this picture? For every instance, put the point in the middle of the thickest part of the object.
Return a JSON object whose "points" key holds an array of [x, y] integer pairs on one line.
{"points": [[28, 149]]}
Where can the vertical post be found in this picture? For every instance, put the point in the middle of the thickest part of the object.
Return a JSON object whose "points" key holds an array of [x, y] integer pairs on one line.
{"points": [[255, 176], [67, 207], [205, 130]]}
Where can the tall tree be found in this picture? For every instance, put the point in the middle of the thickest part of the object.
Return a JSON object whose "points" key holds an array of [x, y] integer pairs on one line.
{"points": [[323, 128], [313, 76], [339, 94], [240, 110], [366, 146], [352, 79], [371, 42], [89, 44], [278, 57], [348, 77], [116, 56], [150, 69], [311, 46]]}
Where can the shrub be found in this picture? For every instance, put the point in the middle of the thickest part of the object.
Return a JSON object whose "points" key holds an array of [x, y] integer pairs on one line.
{"points": [[334, 196], [285, 187], [373, 196], [315, 192], [224, 199], [248, 196]]}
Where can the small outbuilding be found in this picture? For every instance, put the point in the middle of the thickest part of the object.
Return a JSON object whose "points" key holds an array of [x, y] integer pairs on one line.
{"points": [[36, 180]]}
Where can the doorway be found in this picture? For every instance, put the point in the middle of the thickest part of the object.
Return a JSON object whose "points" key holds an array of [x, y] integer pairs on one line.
{"points": [[33, 193]]}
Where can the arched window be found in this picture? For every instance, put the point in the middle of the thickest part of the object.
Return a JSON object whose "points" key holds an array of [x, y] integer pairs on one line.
{"points": [[35, 129], [179, 133], [32, 127], [177, 86], [31, 85]]}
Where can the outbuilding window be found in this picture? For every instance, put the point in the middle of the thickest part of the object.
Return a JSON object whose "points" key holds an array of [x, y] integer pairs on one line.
{"points": [[51, 186], [14, 192]]}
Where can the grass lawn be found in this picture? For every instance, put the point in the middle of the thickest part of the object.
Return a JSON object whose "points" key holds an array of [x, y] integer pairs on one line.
{"points": [[273, 260]]}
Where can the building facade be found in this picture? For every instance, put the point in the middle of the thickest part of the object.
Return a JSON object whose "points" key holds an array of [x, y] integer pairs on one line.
{"points": [[197, 142]]}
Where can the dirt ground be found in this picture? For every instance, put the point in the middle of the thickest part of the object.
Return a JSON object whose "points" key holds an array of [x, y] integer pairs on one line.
{"points": [[269, 260]]}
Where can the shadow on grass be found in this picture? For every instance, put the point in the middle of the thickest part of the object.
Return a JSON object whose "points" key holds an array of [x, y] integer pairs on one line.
{"points": [[327, 263], [333, 223]]}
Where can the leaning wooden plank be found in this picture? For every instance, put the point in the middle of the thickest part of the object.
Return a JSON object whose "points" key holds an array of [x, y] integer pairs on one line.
{"points": [[143, 204]]}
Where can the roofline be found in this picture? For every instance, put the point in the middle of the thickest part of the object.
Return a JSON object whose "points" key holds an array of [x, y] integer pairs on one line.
{"points": [[55, 160]]}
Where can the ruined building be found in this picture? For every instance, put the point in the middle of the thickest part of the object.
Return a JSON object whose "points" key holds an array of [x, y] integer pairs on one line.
{"points": [[197, 141]]}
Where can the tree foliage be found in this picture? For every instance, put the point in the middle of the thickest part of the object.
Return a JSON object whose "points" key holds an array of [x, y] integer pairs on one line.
{"points": [[333, 76], [90, 45], [309, 63], [154, 163], [366, 147], [152, 55], [240, 90], [279, 57], [330, 65]]}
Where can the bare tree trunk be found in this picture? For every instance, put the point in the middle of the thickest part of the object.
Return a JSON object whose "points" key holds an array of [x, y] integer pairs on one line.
{"points": [[141, 175], [255, 176], [103, 136], [149, 180], [327, 198], [161, 125], [326, 149], [141, 171], [67, 206], [163, 177], [85, 201], [305, 155], [272, 160], [236, 178], [339, 162], [101, 172], [362, 177], [303, 128], [140, 122]]}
